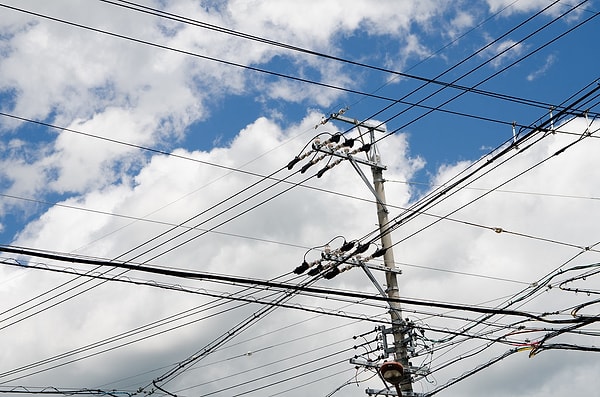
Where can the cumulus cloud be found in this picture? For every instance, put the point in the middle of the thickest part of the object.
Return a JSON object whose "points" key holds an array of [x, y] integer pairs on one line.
{"points": [[273, 238], [224, 210], [144, 95]]}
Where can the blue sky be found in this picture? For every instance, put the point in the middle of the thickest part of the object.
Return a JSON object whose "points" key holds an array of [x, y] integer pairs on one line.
{"points": [[154, 139]]}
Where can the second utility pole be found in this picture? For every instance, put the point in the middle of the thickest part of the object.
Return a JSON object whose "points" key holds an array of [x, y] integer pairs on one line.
{"points": [[399, 329]]}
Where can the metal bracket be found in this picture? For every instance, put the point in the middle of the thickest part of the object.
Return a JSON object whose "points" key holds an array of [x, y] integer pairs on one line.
{"points": [[364, 178], [390, 392], [373, 280]]}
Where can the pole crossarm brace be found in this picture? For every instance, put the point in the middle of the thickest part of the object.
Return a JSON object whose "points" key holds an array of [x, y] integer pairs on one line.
{"points": [[375, 282], [354, 161], [371, 188]]}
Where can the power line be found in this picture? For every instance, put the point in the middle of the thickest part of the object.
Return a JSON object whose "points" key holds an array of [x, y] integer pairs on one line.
{"points": [[281, 75], [187, 274], [562, 110], [220, 29]]}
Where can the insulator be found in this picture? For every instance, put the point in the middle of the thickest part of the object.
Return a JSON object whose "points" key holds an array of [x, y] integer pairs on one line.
{"points": [[306, 166], [361, 248], [292, 163], [302, 268], [331, 273], [349, 142], [322, 171], [335, 138], [347, 246], [315, 270], [365, 148], [378, 253]]}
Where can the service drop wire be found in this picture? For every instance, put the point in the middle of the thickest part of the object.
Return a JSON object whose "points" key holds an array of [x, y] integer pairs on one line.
{"points": [[472, 372]]}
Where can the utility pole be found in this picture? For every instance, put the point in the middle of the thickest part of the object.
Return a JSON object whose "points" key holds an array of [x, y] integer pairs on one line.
{"points": [[399, 329]]}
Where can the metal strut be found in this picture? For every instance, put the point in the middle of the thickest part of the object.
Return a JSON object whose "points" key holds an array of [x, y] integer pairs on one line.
{"points": [[371, 188]]}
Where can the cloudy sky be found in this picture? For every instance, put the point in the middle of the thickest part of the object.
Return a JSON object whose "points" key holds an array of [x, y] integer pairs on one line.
{"points": [[158, 135]]}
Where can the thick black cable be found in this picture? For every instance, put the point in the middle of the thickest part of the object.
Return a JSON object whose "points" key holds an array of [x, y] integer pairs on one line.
{"points": [[195, 275]]}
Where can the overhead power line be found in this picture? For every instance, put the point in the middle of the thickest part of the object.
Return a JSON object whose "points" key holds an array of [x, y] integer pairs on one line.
{"points": [[194, 275], [220, 29], [289, 77]]}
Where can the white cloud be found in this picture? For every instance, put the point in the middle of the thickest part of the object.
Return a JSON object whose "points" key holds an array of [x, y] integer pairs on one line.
{"points": [[504, 52], [542, 69], [128, 92], [509, 7], [170, 189]]}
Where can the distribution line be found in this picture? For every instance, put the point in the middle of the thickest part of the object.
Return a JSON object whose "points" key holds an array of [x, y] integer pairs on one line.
{"points": [[495, 73], [158, 323], [470, 202], [255, 69], [564, 148], [273, 373], [193, 22], [471, 337], [195, 275], [228, 296], [474, 87], [471, 177], [254, 351]]}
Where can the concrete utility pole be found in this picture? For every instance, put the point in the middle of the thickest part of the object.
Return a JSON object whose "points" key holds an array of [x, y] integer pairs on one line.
{"points": [[399, 329]]}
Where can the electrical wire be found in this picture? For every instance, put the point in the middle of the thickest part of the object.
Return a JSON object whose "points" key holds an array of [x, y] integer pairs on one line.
{"points": [[276, 285], [204, 25]]}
